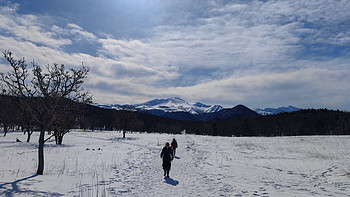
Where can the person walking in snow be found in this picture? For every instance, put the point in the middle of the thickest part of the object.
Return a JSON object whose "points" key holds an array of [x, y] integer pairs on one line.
{"points": [[167, 156], [174, 146]]}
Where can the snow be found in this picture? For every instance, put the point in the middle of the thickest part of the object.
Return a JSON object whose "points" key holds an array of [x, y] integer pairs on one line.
{"points": [[173, 104], [104, 164], [271, 111]]}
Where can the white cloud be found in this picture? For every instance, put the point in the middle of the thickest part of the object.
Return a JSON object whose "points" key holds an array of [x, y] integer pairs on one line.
{"points": [[81, 34], [107, 75], [28, 28], [136, 55], [341, 38], [310, 87], [227, 44], [253, 50]]}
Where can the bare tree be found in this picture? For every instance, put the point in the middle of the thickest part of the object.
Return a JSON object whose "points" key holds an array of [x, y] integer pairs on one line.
{"points": [[67, 119], [125, 120], [28, 125], [41, 94]]}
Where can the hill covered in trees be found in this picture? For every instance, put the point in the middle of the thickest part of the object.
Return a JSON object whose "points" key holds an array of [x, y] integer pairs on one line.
{"points": [[302, 122]]}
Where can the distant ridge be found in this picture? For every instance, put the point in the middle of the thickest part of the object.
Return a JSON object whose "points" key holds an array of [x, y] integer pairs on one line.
{"points": [[176, 104], [177, 108], [271, 111]]}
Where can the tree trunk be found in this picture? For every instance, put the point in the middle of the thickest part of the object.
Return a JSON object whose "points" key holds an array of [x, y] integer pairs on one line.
{"points": [[123, 133], [5, 130], [60, 138], [28, 136], [41, 152], [56, 136], [29, 132]]}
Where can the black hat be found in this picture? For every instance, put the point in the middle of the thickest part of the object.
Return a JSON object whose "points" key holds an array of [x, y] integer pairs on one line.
{"points": [[167, 144]]}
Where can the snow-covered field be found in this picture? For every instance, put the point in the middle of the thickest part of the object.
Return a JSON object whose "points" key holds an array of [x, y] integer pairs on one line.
{"points": [[104, 164]]}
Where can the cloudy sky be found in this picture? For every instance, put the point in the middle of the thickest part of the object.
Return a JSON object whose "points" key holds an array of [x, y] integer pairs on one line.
{"points": [[257, 53]]}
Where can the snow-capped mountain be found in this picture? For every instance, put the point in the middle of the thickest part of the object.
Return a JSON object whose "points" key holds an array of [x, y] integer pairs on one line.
{"points": [[271, 111], [173, 104], [114, 106], [176, 104]]}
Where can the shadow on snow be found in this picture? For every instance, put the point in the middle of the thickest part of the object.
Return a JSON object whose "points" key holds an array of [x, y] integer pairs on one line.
{"points": [[15, 189], [171, 181], [124, 139]]}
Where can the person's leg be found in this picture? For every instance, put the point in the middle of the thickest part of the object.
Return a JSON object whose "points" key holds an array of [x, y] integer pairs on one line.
{"points": [[168, 169], [164, 167]]}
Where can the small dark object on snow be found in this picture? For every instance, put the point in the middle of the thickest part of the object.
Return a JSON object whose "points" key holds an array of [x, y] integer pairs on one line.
{"points": [[17, 140], [87, 149]]}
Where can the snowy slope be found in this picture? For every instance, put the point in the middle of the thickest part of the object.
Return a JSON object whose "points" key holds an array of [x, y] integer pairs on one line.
{"points": [[103, 164], [173, 104], [271, 111]]}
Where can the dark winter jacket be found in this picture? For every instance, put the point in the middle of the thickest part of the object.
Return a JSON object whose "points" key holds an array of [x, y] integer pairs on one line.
{"points": [[167, 154], [174, 144]]}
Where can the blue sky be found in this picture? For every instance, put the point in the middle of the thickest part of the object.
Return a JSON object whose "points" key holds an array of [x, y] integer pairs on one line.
{"points": [[257, 53]]}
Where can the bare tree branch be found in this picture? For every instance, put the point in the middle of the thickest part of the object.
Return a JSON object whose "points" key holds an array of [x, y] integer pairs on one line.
{"points": [[46, 95]]}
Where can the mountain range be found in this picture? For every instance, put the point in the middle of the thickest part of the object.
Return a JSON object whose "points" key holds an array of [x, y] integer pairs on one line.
{"points": [[180, 109]]}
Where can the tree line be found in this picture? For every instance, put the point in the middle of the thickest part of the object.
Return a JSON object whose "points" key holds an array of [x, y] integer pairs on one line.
{"points": [[302, 122], [85, 117], [89, 117]]}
